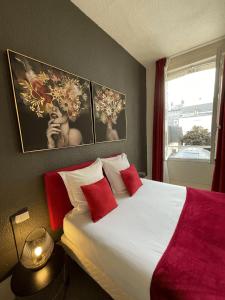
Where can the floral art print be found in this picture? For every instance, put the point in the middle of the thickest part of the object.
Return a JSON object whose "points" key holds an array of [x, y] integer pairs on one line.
{"points": [[109, 114], [53, 106]]}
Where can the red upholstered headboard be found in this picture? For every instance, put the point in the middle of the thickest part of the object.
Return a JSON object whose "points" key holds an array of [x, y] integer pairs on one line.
{"points": [[57, 197]]}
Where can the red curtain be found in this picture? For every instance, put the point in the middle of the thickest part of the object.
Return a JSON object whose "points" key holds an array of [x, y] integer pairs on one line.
{"points": [[158, 123], [218, 183]]}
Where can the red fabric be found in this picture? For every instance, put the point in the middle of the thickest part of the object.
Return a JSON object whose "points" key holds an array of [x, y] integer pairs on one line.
{"points": [[131, 179], [158, 123], [57, 197], [193, 265], [218, 183], [100, 198]]}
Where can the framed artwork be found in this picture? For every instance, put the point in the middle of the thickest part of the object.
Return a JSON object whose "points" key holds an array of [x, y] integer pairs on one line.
{"points": [[53, 106], [109, 109]]}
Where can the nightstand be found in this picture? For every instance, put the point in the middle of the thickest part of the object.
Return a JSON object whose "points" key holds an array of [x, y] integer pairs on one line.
{"points": [[48, 282], [142, 174]]}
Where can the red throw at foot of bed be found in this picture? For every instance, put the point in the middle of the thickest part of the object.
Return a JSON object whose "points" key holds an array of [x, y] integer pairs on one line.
{"points": [[193, 265]]}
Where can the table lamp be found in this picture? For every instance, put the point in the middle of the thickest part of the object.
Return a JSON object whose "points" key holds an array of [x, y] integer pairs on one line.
{"points": [[37, 249]]}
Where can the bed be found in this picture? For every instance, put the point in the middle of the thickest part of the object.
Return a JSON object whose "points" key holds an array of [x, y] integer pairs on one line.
{"points": [[138, 231], [123, 250]]}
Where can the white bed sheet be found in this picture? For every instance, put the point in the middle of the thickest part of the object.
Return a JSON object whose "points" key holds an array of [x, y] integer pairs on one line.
{"points": [[128, 243]]}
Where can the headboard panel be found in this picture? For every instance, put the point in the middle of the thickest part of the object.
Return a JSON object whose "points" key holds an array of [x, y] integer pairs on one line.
{"points": [[57, 197]]}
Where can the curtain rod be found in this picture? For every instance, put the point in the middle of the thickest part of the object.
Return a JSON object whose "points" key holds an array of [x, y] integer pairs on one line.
{"points": [[197, 47]]}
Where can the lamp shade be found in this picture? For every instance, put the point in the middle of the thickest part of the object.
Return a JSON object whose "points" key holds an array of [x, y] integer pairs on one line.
{"points": [[37, 249]]}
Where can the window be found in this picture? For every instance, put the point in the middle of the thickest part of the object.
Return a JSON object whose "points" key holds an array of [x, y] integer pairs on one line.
{"points": [[189, 111]]}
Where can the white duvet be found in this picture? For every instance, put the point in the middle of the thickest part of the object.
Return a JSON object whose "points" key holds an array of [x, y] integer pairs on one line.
{"points": [[128, 243]]}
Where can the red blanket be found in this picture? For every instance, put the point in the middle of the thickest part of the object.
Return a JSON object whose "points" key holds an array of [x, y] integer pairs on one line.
{"points": [[193, 265]]}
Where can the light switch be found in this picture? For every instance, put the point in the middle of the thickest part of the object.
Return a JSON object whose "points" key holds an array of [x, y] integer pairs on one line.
{"points": [[22, 217]]}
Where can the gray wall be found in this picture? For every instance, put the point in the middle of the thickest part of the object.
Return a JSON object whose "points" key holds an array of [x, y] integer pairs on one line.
{"points": [[58, 33]]}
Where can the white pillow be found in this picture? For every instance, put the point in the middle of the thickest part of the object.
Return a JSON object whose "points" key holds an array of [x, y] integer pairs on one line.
{"points": [[112, 167], [73, 180]]}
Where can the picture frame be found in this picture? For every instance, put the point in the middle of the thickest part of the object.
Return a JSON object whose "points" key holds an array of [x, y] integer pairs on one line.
{"points": [[109, 114], [53, 106]]}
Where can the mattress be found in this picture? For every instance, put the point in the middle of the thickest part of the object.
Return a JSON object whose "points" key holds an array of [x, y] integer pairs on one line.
{"points": [[127, 244]]}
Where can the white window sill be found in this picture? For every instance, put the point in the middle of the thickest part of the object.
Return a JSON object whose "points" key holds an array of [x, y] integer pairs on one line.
{"points": [[189, 160]]}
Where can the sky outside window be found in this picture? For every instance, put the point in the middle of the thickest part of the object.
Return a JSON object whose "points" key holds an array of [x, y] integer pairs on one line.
{"points": [[194, 88]]}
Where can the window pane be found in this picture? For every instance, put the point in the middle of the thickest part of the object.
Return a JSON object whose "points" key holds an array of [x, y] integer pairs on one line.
{"points": [[189, 115]]}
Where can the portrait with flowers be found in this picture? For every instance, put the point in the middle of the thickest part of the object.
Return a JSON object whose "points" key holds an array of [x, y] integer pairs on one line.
{"points": [[53, 106], [109, 113]]}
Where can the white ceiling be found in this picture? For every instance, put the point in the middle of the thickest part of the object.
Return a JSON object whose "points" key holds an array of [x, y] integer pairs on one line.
{"points": [[151, 29]]}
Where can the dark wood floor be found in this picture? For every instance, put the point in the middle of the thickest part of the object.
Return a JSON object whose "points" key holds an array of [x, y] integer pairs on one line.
{"points": [[82, 287]]}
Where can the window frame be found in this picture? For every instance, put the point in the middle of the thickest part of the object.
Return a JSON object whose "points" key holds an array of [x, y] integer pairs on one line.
{"points": [[216, 60], [216, 103]]}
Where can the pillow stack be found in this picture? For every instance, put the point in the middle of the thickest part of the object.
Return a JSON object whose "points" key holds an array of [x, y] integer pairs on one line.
{"points": [[88, 189], [112, 167], [73, 181]]}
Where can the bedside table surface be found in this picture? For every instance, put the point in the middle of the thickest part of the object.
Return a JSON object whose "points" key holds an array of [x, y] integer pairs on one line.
{"points": [[26, 282]]}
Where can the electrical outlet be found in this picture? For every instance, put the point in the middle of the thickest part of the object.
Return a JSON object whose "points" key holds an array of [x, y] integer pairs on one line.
{"points": [[21, 216]]}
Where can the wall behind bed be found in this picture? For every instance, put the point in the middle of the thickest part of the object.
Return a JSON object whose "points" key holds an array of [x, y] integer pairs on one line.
{"points": [[58, 33]]}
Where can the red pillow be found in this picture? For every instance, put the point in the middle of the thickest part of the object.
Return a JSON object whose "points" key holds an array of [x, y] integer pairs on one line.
{"points": [[100, 198], [131, 179]]}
